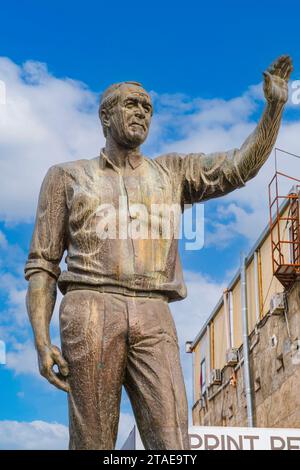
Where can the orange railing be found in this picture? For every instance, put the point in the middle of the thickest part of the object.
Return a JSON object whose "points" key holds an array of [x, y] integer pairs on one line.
{"points": [[285, 229]]}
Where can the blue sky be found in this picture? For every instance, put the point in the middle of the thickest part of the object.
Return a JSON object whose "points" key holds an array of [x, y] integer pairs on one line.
{"points": [[203, 63], [198, 48]]}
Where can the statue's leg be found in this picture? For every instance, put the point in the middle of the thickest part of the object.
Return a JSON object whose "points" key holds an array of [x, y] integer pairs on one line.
{"points": [[154, 379], [93, 332]]}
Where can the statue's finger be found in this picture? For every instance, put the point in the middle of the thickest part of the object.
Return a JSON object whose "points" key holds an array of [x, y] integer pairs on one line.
{"points": [[282, 59], [282, 66], [55, 349], [284, 71], [63, 366], [57, 382], [60, 361], [288, 69], [281, 71], [276, 67]]}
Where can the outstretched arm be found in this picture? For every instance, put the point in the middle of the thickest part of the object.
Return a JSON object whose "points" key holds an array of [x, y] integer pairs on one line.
{"points": [[201, 177], [256, 149]]}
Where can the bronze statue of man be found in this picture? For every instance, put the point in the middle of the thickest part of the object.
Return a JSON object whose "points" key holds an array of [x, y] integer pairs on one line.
{"points": [[116, 326]]}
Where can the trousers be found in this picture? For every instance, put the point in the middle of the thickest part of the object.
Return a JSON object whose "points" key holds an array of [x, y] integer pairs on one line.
{"points": [[110, 340]]}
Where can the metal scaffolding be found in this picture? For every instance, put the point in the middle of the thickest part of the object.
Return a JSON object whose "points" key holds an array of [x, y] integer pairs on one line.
{"points": [[285, 228]]}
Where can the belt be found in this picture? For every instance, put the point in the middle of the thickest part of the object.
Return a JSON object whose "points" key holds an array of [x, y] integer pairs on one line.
{"points": [[117, 290]]}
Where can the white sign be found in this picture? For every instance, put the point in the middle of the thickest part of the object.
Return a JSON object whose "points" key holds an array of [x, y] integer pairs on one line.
{"points": [[225, 438]]}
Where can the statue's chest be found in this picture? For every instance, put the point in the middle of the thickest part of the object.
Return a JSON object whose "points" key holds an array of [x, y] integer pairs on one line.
{"points": [[114, 192]]}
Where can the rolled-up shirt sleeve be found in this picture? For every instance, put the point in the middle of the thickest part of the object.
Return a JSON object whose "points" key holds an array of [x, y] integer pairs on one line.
{"points": [[209, 176], [203, 177], [49, 236]]}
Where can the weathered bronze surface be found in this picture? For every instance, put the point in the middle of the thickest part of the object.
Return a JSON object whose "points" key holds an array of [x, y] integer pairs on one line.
{"points": [[116, 326]]}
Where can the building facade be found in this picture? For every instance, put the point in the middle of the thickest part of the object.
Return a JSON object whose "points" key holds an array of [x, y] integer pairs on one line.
{"points": [[264, 348]]}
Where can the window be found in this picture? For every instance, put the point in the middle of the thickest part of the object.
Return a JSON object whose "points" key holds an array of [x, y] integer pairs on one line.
{"points": [[203, 376]]}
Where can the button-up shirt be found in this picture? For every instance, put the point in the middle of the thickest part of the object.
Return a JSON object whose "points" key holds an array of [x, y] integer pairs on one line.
{"points": [[68, 219]]}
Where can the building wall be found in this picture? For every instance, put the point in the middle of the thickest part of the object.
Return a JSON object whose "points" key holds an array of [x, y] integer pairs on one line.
{"points": [[275, 366], [237, 323], [196, 378], [220, 339], [267, 286], [198, 356], [270, 285], [251, 304]]}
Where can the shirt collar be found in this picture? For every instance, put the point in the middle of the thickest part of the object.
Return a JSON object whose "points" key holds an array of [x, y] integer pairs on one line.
{"points": [[134, 160]]}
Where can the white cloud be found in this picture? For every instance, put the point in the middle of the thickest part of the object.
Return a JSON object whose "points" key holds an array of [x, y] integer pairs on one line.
{"points": [[46, 120], [14, 322], [41, 435], [190, 315], [232, 220], [3, 241], [34, 435], [22, 358]]}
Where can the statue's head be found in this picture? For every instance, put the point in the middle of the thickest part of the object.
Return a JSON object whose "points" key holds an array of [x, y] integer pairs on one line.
{"points": [[125, 112]]}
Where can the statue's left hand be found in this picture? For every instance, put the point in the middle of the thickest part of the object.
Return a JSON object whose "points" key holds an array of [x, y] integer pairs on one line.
{"points": [[49, 356], [276, 79]]}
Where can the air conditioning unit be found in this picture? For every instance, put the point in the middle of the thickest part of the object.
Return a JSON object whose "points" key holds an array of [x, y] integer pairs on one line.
{"points": [[215, 377], [232, 356], [277, 304]]}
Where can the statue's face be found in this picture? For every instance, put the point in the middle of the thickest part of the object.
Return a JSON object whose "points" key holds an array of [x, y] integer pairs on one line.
{"points": [[130, 118]]}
